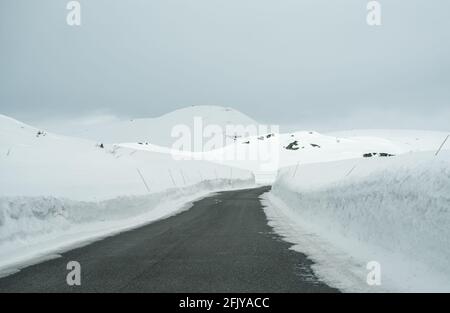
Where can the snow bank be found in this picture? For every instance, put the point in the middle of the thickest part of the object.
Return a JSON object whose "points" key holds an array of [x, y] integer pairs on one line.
{"points": [[392, 210], [36, 227], [57, 191]]}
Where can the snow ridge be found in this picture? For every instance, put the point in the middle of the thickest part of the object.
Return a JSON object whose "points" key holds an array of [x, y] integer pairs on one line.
{"points": [[396, 209]]}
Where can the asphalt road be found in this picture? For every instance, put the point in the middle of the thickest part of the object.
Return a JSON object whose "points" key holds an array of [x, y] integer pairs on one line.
{"points": [[221, 244]]}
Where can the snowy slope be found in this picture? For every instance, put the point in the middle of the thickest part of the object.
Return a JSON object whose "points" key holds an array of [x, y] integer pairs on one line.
{"points": [[271, 151], [54, 187], [312, 147], [56, 191], [395, 211], [263, 150], [48, 164], [157, 131], [408, 140]]}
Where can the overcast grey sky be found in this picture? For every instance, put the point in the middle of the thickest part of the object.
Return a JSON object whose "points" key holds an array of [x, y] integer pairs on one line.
{"points": [[293, 62]]}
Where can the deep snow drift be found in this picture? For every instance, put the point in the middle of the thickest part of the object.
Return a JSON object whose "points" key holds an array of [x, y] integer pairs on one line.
{"points": [[37, 228], [56, 191], [395, 211]]}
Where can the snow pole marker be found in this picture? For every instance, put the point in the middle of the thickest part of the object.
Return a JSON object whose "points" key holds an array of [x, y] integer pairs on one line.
{"points": [[143, 179], [442, 145], [296, 168], [171, 177], [349, 172], [182, 175]]}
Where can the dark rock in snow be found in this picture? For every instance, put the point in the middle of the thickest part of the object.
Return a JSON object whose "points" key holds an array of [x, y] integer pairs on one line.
{"points": [[41, 133], [292, 146], [381, 154]]}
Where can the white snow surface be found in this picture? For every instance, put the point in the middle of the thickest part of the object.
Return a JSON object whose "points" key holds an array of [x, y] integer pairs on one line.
{"points": [[395, 211], [254, 146], [57, 191], [59, 166], [157, 130], [270, 151], [339, 208], [405, 139], [33, 229]]}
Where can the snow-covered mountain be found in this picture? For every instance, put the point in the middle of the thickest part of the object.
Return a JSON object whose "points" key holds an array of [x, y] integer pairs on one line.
{"points": [[157, 131], [244, 148], [272, 151], [34, 162], [56, 191], [356, 185]]}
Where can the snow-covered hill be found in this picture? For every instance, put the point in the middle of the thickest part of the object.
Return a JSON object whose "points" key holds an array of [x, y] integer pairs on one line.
{"points": [[125, 173], [56, 191], [407, 140], [263, 151], [268, 152], [36, 163], [247, 144], [157, 131]]}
